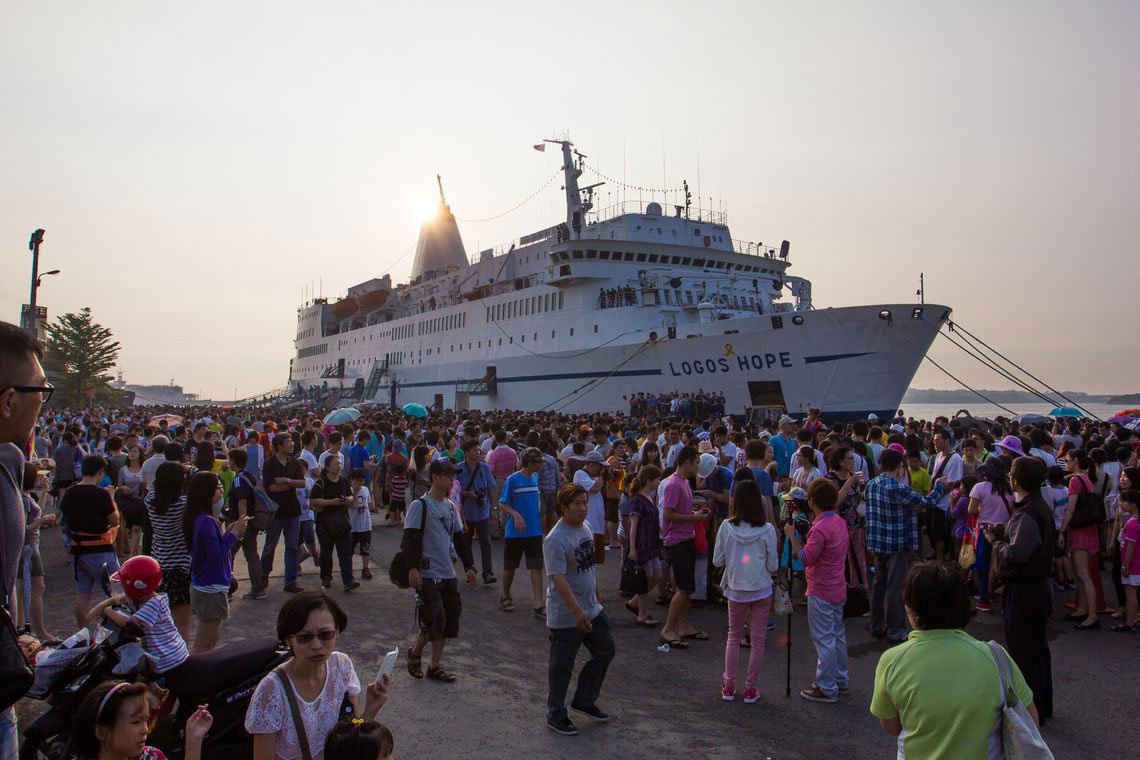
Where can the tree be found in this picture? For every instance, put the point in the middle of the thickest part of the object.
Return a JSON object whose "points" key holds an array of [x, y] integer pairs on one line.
{"points": [[82, 352]]}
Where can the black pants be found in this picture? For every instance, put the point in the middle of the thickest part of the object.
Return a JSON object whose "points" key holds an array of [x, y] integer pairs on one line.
{"points": [[1026, 606], [341, 540], [1117, 568]]}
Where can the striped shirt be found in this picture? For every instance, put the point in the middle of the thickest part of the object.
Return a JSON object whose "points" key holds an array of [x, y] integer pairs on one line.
{"points": [[169, 546], [892, 520], [160, 638]]}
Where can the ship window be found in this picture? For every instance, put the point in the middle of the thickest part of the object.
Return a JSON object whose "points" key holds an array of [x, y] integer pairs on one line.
{"points": [[522, 339], [595, 328], [536, 336], [698, 262], [629, 257], [696, 232], [576, 254], [653, 258], [512, 339], [571, 332], [668, 297], [559, 299], [604, 255], [686, 262], [689, 296], [552, 335], [500, 341], [641, 257], [591, 254], [674, 233], [676, 260]]}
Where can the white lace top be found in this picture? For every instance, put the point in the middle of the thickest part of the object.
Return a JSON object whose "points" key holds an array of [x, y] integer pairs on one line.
{"points": [[269, 709]]}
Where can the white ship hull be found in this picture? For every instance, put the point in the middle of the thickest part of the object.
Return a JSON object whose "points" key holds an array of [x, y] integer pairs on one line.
{"points": [[848, 362]]}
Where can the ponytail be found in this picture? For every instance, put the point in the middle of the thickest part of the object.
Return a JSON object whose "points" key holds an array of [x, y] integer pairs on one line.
{"points": [[644, 476]]}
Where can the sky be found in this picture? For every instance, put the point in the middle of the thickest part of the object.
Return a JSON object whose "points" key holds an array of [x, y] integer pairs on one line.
{"points": [[198, 166]]}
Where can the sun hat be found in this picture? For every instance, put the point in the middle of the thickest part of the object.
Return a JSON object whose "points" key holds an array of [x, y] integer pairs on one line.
{"points": [[706, 466], [1012, 444]]}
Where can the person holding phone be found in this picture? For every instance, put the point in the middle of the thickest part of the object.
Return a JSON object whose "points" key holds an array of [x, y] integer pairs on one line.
{"points": [[211, 557], [330, 498]]}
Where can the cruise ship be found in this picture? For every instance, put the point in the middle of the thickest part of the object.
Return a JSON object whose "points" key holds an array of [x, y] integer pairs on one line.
{"points": [[608, 303]]}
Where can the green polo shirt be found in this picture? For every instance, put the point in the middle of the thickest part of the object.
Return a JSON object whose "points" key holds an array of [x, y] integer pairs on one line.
{"points": [[945, 689]]}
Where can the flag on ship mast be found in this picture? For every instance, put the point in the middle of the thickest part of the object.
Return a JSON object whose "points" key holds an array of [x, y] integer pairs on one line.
{"points": [[541, 147]]}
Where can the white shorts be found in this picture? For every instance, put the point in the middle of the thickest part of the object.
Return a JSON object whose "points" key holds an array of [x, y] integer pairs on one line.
{"points": [[1130, 580]]}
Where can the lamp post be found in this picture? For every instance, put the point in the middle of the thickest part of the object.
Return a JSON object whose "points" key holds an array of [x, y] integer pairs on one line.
{"points": [[34, 246]]}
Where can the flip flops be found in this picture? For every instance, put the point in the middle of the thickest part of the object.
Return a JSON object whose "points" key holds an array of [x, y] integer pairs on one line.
{"points": [[673, 643], [696, 636]]}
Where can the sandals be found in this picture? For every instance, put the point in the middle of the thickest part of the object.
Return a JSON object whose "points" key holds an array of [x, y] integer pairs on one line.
{"points": [[437, 673], [506, 604], [696, 636], [415, 664], [673, 643], [1124, 628]]}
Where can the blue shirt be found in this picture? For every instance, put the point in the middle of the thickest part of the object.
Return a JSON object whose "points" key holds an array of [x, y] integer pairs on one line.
{"points": [[892, 518], [476, 510], [358, 457], [764, 480], [783, 449], [520, 493]]}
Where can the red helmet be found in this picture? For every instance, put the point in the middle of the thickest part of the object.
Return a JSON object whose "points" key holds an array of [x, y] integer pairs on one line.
{"points": [[139, 576]]}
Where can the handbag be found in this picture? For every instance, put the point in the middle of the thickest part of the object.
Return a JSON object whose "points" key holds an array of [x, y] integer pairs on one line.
{"points": [[633, 580], [1020, 737], [857, 603], [398, 567], [1089, 509], [966, 556]]}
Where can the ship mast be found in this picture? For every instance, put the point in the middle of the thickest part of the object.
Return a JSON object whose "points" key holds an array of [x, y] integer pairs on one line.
{"points": [[576, 204]]}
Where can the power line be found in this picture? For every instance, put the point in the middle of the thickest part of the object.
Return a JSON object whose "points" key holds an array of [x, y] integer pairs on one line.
{"points": [[971, 390], [515, 207], [989, 363]]}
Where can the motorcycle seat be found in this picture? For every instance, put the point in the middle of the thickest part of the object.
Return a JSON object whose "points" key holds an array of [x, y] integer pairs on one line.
{"points": [[208, 674]]}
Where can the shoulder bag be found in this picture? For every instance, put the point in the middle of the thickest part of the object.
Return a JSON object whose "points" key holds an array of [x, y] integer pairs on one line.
{"points": [[1089, 510], [398, 567], [1020, 737], [295, 711]]}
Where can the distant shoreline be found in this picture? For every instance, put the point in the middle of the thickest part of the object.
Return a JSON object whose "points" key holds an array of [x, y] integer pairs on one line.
{"points": [[934, 396]]}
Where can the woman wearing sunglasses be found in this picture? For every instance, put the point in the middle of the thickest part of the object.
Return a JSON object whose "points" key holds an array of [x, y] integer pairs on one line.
{"points": [[321, 683]]}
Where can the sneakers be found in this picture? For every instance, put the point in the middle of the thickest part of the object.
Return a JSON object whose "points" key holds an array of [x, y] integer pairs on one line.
{"points": [[727, 693], [294, 588], [489, 578], [260, 594], [324, 584], [771, 625], [591, 712], [982, 606], [353, 585], [751, 696], [815, 695], [562, 726]]}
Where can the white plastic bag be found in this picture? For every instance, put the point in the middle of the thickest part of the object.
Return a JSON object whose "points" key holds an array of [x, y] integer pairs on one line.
{"points": [[1020, 737], [781, 602]]}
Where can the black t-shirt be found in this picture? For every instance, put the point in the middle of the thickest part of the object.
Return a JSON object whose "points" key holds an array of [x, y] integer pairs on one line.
{"points": [[242, 490], [287, 504], [327, 489], [86, 509]]}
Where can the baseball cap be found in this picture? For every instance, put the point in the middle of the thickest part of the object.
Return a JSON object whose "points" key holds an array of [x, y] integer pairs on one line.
{"points": [[798, 494], [442, 466], [786, 420], [706, 466], [595, 456]]}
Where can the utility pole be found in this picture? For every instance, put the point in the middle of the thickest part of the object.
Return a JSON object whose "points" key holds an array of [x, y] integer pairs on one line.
{"points": [[34, 246]]}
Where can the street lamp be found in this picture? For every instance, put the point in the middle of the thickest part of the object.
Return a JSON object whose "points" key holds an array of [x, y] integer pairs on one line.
{"points": [[34, 246], [40, 279]]}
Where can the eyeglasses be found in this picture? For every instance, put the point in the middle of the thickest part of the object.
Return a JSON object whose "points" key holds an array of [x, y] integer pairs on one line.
{"points": [[307, 638], [45, 391]]}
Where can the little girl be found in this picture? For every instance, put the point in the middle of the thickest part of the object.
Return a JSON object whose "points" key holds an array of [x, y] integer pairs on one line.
{"points": [[359, 740], [1058, 498], [1130, 561], [114, 721]]}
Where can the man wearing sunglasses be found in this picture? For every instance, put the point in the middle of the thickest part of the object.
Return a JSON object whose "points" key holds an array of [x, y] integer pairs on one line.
{"points": [[23, 389]]}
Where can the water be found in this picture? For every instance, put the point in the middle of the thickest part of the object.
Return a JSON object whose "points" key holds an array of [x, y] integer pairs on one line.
{"points": [[982, 409]]}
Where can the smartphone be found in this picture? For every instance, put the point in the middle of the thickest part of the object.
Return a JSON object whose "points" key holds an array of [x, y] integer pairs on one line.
{"points": [[388, 666]]}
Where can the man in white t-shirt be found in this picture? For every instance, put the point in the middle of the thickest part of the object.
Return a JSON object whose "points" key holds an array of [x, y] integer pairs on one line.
{"points": [[589, 476], [947, 465], [336, 440], [308, 453]]}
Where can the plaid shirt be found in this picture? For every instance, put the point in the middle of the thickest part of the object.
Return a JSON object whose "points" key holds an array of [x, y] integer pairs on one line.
{"points": [[892, 521]]}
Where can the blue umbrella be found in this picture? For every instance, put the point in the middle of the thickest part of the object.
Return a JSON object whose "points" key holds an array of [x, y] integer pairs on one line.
{"points": [[1030, 419], [1066, 411], [341, 416], [416, 410]]}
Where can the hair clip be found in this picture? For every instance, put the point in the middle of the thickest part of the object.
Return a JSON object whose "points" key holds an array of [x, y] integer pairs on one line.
{"points": [[358, 721]]}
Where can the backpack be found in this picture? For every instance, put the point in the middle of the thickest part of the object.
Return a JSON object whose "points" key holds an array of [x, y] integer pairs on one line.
{"points": [[1090, 507]]}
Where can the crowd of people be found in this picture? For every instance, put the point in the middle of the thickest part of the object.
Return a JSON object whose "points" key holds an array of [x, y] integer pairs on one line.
{"points": [[676, 405], [608, 298], [916, 525]]}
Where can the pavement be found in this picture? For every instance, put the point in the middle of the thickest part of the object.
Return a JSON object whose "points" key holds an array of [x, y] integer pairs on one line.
{"points": [[663, 704]]}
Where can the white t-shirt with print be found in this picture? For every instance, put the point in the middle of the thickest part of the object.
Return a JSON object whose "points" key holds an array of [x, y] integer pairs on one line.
{"points": [[360, 515]]}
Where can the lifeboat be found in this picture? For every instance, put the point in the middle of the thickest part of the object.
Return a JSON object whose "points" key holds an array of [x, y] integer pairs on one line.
{"points": [[343, 308], [372, 300]]}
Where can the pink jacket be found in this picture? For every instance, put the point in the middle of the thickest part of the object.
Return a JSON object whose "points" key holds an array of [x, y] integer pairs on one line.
{"points": [[824, 557]]}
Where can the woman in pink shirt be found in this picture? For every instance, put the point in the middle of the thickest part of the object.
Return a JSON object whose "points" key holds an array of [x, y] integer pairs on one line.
{"points": [[824, 557]]}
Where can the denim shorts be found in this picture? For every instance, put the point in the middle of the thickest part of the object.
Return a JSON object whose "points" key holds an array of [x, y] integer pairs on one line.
{"points": [[89, 569]]}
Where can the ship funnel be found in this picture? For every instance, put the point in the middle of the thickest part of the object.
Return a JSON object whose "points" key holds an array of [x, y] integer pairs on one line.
{"points": [[439, 247]]}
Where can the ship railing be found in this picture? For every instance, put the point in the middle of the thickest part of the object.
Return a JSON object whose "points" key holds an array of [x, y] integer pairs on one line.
{"points": [[668, 211]]}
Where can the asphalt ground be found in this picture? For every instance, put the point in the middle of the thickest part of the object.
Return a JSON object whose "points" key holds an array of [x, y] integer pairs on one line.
{"points": [[663, 704]]}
